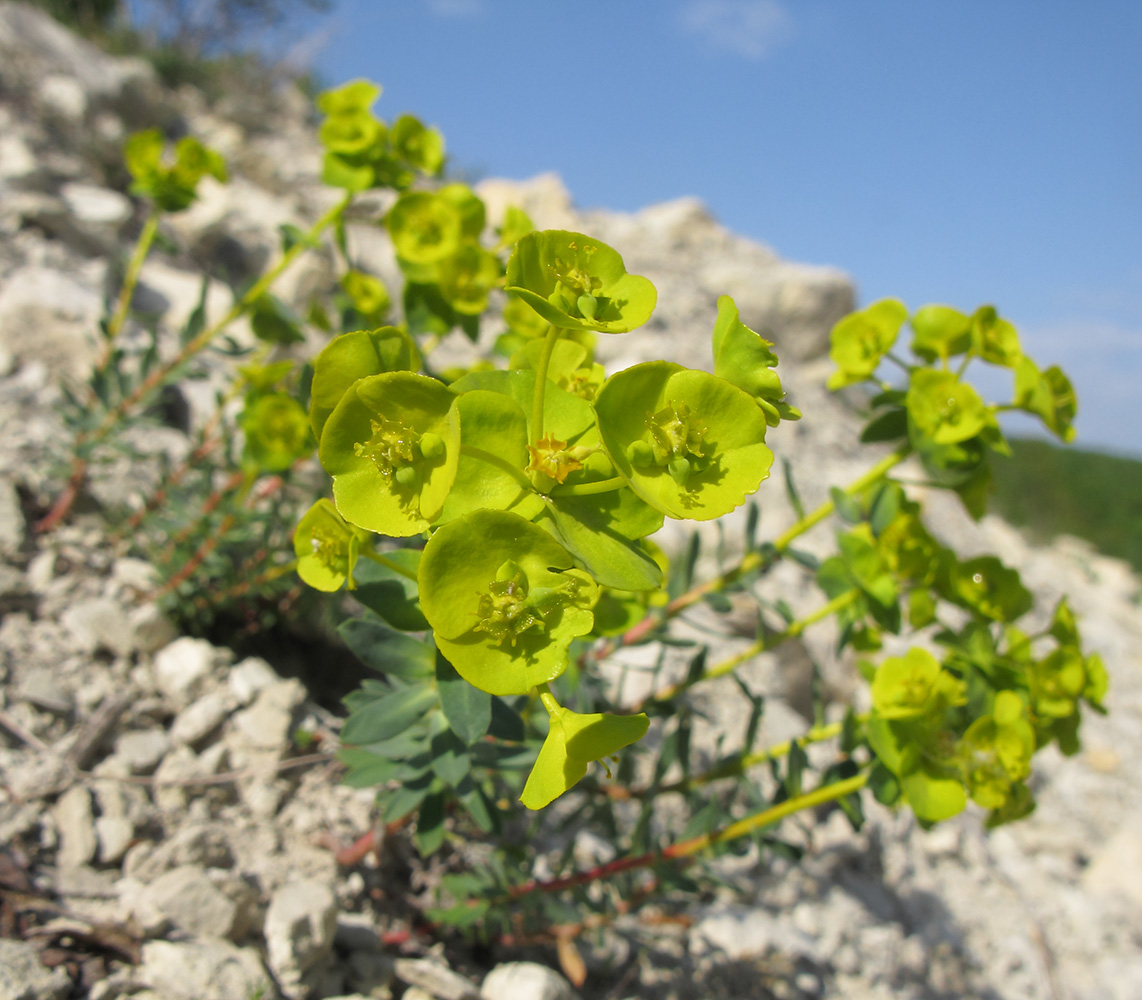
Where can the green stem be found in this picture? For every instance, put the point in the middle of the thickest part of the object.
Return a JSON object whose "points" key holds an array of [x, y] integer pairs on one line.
{"points": [[548, 699], [255, 291], [741, 764], [590, 489], [752, 560], [396, 567], [131, 280], [760, 646], [810, 520], [686, 848], [541, 382], [471, 451]]}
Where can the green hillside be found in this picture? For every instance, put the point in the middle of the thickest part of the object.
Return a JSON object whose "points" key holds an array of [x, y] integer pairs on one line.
{"points": [[1051, 491]]}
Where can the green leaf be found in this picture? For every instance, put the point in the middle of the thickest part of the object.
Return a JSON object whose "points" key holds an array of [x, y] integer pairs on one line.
{"points": [[364, 768], [386, 717], [467, 708], [592, 530], [506, 724], [386, 651], [392, 595], [558, 273], [450, 760], [887, 426], [396, 803]]}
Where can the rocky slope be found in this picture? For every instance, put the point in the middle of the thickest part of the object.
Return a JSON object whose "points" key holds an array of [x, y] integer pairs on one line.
{"points": [[154, 815]]}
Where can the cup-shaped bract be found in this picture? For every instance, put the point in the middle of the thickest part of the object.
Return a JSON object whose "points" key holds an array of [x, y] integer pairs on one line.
{"points": [[577, 283], [913, 685], [996, 751], [468, 277], [425, 226], [356, 95], [420, 147], [368, 294], [742, 356], [689, 443], [940, 332], [392, 445], [504, 600], [994, 339], [861, 339], [355, 355], [326, 546], [174, 186], [989, 588], [1047, 394], [277, 432], [943, 409], [573, 742]]}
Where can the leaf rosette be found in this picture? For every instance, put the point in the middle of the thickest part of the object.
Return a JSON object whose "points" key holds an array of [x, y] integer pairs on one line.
{"points": [[578, 283], [392, 446], [689, 443], [504, 600], [426, 227], [326, 546]]}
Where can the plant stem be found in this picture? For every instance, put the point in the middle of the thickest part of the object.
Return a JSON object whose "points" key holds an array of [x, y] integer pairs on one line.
{"points": [[253, 293], [541, 382], [130, 281], [760, 559], [390, 564], [500, 463], [760, 646], [686, 848], [741, 764], [590, 489], [83, 441]]}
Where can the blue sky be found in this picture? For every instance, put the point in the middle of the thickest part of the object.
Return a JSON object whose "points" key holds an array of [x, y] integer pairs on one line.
{"points": [[962, 152]]}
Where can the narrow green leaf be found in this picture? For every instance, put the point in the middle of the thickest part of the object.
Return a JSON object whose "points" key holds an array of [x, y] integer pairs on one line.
{"points": [[386, 717], [388, 652], [467, 708]]}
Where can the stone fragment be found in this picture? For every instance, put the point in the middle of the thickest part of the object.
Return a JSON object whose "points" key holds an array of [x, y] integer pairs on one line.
{"points": [[142, 749], [435, 979], [41, 687], [114, 835], [191, 901], [182, 668], [96, 206], [300, 923], [100, 623], [268, 723], [198, 720], [76, 824], [149, 628], [47, 315], [249, 677], [1117, 867], [24, 977], [525, 981], [198, 970], [11, 519]]}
